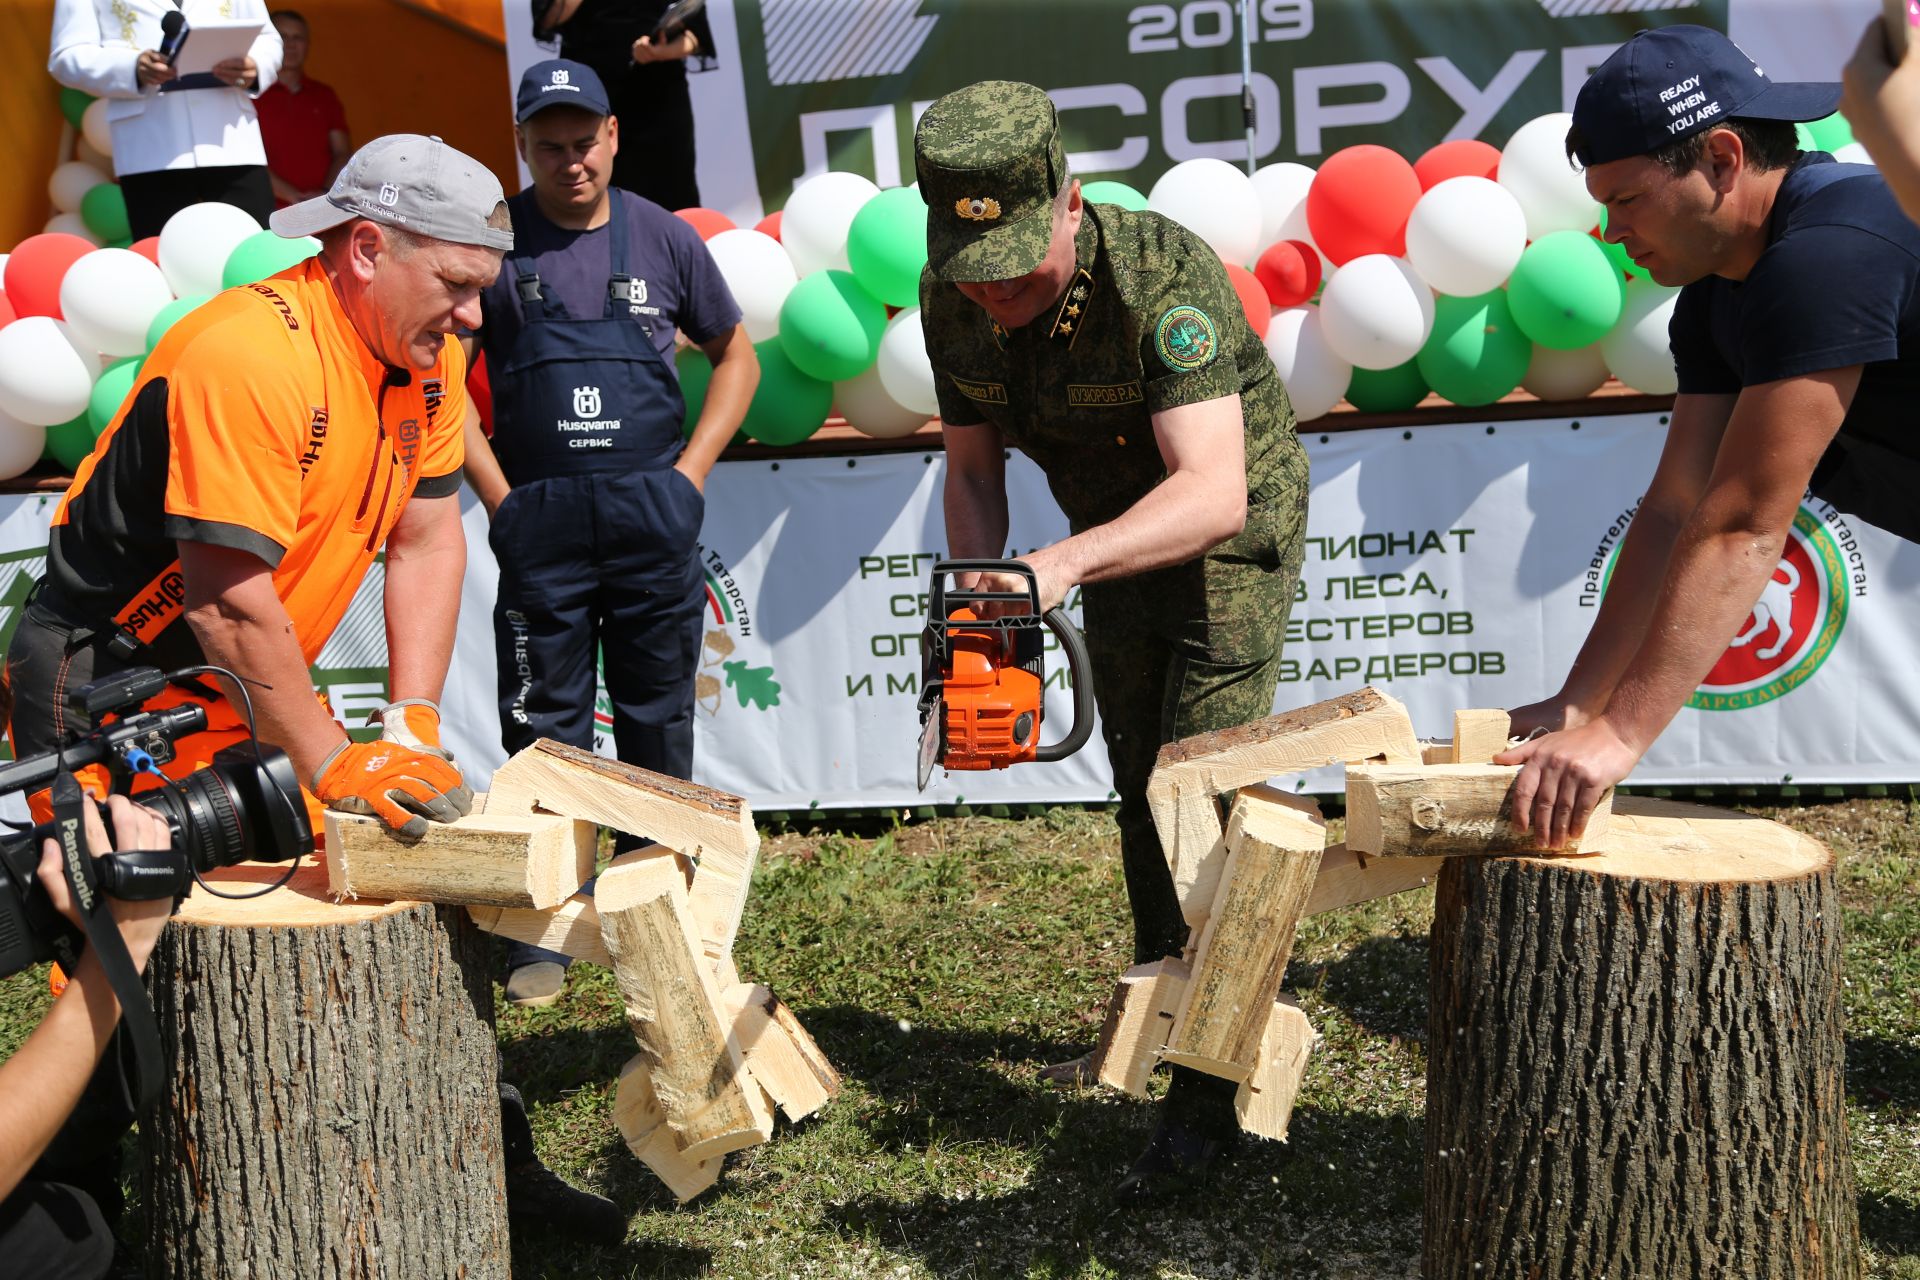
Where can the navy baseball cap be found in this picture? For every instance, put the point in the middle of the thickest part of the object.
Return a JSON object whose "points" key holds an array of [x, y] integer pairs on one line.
{"points": [[1670, 83], [559, 82]]}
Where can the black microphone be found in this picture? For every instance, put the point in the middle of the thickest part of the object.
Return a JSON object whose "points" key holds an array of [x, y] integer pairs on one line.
{"points": [[173, 34]]}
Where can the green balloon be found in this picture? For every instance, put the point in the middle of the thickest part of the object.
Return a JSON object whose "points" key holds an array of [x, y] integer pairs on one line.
{"points": [[1616, 253], [1113, 193], [110, 392], [831, 327], [263, 254], [696, 371], [887, 246], [69, 443], [104, 210], [1387, 390], [1803, 138], [1564, 293], [170, 314], [789, 405], [1476, 353], [74, 104], [1830, 134]]}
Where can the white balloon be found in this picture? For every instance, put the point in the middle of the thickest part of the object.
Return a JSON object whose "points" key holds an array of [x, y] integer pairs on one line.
{"points": [[904, 368], [21, 444], [1377, 312], [813, 226], [1565, 375], [110, 297], [758, 273], [1637, 349], [863, 401], [70, 183], [45, 378], [70, 224], [195, 244], [1282, 189], [1535, 168], [95, 129], [1313, 373], [1853, 153], [1465, 236], [1216, 202]]}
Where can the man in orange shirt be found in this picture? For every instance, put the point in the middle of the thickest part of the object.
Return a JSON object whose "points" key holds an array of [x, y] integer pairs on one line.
{"points": [[278, 438]]}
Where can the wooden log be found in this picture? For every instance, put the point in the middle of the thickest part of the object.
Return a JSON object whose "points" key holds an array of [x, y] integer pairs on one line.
{"points": [[779, 1052], [1347, 878], [1139, 1020], [1446, 810], [1274, 849], [573, 927], [673, 1007], [1189, 775], [1479, 736], [501, 860], [1635, 1059], [331, 1108], [1264, 1103], [642, 1122], [711, 827]]}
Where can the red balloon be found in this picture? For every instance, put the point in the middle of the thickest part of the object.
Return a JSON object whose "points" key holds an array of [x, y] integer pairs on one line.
{"points": [[1359, 203], [148, 249], [1461, 158], [1253, 298], [6, 311], [769, 225], [35, 269], [1289, 271], [480, 391], [708, 222]]}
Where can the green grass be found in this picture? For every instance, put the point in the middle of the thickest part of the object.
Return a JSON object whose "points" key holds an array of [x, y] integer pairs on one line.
{"points": [[941, 964]]}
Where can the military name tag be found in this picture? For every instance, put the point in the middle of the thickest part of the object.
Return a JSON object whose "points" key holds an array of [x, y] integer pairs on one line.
{"points": [[1086, 396], [984, 392]]}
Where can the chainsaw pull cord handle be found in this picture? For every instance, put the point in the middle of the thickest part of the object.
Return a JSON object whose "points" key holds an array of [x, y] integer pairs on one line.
{"points": [[1074, 645]]}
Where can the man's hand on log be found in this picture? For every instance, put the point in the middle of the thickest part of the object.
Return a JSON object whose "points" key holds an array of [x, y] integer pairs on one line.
{"points": [[1562, 777], [402, 787]]}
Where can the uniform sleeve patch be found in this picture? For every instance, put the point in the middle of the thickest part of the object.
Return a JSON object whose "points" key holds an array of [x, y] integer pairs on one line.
{"points": [[1186, 339]]}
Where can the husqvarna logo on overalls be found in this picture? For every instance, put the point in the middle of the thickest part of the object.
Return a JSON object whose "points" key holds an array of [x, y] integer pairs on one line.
{"points": [[586, 402]]}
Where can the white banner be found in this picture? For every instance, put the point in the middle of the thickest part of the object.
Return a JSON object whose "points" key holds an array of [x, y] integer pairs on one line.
{"points": [[1453, 566]]}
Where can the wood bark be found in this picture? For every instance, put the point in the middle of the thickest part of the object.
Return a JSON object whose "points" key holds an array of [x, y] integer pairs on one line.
{"points": [[332, 1108], [1634, 1059]]}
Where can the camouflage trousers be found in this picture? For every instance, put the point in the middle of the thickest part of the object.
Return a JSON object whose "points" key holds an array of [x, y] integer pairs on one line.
{"points": [[1187, 650]]}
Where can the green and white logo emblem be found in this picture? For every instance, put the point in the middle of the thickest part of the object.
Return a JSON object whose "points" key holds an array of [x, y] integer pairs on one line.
{"points": [[1186, 339]]}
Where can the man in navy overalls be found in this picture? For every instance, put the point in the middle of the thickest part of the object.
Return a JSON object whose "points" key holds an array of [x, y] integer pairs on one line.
{"points": [[595, 503]]}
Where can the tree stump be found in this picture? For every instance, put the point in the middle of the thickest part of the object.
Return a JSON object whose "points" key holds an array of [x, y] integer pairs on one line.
{"points": [[333, 1108], [1634, 1059]]}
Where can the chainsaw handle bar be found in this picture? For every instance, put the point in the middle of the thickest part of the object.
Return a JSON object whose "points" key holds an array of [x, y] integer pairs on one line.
{"points": [[1081, 667], [944, 602]]}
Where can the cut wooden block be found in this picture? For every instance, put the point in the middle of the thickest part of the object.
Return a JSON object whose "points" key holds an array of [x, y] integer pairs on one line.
{"points": [[779, 1052], [1479, 736], [1190, 774], [1139, 1020], [572, 928], [502, 860], [711, 827], [673, 1007], [1273, 854], [1347, 878], [1264, 1102], [1436, 752], [1446, 810], [636, 1109]]}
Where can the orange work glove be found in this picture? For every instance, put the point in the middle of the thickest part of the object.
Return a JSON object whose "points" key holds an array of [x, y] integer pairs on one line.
{"points": [[398, 785], [413, 723]]}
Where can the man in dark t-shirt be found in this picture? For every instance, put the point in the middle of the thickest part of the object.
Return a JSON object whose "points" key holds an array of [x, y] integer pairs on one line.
{"points": [[1796, 338], [595, 499]]}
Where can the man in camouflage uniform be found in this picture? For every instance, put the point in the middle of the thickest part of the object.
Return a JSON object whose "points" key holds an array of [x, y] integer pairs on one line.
{"points": [[1110, 347]]}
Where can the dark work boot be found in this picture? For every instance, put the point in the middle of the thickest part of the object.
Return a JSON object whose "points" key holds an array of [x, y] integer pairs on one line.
{"points": [[1177, 1159], [540, 1200]]}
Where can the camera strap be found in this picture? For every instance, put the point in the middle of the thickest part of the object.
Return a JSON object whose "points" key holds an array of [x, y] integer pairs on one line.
{"points": [[103, 935]]}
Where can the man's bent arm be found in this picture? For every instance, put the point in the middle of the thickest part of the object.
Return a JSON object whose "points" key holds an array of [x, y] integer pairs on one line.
{"points": [[975, 493], [736, 374], [242, 625], [426, 560], [482, 468], [1686, 463]]}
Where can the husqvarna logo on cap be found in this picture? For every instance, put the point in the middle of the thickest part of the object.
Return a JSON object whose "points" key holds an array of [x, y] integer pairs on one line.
{"points": [[389, 194], [560, 75]]}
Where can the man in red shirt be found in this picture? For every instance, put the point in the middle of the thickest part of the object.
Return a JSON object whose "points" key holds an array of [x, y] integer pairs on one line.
{"points": [[301, 122]]}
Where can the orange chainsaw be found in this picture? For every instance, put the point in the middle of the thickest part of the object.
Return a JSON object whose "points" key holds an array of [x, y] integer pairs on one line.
{"points": [[983, 680]]}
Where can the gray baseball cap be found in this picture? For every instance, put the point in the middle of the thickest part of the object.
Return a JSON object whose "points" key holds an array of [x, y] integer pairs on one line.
{"points": [[416, 183]]}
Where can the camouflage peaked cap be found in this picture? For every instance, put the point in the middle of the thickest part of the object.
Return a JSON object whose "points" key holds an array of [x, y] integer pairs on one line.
{"points": [[990, 164]]}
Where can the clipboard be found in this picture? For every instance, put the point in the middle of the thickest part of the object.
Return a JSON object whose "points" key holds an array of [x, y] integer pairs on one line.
{"points": [[675, 19], [205, 46]]}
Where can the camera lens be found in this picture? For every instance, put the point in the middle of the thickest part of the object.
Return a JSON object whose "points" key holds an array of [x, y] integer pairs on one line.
{"points": [[240, 808]]}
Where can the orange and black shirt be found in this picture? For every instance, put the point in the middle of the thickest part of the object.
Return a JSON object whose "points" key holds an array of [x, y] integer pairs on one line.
{"points": [[261, 422]]}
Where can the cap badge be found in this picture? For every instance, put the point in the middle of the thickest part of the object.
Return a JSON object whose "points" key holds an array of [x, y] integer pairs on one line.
{"points": [[389, 194], [977, 208], [560, 75]]}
